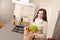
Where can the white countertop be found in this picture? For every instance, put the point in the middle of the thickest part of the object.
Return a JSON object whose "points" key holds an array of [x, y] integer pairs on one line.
{"points": [[7, 34]]}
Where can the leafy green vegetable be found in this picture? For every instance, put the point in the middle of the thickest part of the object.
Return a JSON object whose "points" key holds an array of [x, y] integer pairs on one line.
{"points": [[33, 28]]}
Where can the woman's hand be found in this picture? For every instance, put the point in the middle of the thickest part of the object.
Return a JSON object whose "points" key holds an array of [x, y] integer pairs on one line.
{"points": [[31, 34], [28, 33]]}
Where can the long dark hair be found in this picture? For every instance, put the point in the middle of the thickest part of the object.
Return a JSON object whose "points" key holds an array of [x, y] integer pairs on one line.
{"points": [[44, 13]]}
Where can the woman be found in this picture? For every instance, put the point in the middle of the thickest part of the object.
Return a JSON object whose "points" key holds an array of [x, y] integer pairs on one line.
{"points": [[41, 22]]}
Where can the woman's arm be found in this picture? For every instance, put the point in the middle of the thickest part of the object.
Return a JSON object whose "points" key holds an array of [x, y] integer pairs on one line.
{"points": [[45, 25]]}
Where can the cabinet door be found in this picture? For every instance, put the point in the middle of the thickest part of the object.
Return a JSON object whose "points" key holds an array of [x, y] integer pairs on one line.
{"points": [[29, 12], [21, 10]]}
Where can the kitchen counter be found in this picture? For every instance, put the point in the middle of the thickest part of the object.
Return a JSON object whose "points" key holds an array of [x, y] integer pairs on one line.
{"points": [[7, 34]]}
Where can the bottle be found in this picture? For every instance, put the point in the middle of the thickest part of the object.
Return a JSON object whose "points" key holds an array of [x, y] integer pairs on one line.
{"points": [[14, 20]]}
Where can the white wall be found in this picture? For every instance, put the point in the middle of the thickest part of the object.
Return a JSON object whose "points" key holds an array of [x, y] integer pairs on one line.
{"points": [[6, 10], [0, 9]]}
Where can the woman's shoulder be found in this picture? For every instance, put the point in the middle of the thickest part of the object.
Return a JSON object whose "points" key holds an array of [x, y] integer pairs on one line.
{"points": [[45, 22], [45, 25]]}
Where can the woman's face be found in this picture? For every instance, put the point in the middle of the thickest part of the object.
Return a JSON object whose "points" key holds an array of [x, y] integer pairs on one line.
{"points": [[40, 14]]}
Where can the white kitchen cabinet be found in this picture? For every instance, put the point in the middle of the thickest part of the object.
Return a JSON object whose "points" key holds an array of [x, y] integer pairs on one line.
{"points": [[24, 9]]}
